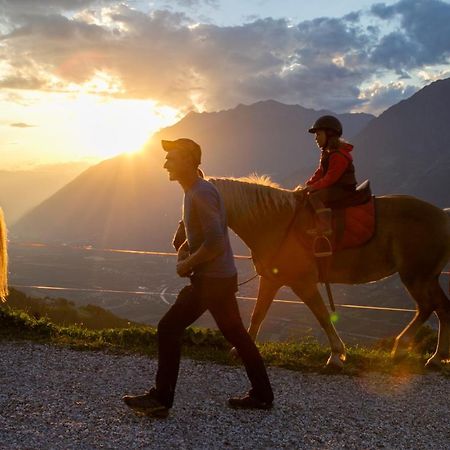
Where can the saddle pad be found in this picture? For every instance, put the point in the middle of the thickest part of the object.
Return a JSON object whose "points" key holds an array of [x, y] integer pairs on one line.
{"points": [[354, 226]]}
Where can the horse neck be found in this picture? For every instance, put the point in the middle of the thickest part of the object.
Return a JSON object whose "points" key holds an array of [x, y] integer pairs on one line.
{"points": [[263, 240], [259, 215]]}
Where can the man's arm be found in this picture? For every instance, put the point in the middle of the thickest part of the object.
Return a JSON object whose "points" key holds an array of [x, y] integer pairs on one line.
{"points": [[180, 236], [183, 251], [203, 254]]}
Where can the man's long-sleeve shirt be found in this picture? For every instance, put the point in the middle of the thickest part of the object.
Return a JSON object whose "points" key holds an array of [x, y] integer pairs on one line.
{"points": [[205, 224]]}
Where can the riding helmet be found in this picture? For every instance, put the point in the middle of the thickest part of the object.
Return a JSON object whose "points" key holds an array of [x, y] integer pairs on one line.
{"points": [[327, 123]]}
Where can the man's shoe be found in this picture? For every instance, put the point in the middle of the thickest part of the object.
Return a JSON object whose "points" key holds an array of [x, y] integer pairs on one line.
{"points": [[248, 402], [146, 405]]}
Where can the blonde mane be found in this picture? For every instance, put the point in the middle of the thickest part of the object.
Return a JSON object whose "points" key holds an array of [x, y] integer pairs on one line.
{"points": [[253, 198], [3, 259]]}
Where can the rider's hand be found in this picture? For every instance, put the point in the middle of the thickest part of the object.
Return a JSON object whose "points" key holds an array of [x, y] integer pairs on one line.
{"points": [[300, 191]]}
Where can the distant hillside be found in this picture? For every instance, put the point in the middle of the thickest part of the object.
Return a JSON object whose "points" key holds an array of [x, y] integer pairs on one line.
{"points": [[127, 201], [64, 313], [267, 137], [407, 149], [119, 202], [22, 190]]}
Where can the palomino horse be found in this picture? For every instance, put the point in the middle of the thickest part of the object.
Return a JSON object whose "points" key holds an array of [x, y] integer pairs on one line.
{"points": [[3, 259], [412, 239]]}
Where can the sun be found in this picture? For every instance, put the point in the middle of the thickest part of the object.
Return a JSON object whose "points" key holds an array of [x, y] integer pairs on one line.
{"points": [[108, 124], [88, 122], [107, 127]]}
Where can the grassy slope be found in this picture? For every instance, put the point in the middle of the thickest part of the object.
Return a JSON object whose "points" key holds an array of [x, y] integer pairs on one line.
{"points": [[203, 344]]}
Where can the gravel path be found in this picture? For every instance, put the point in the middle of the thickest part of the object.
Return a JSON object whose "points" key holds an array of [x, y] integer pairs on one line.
{"points": [[56, 398]]}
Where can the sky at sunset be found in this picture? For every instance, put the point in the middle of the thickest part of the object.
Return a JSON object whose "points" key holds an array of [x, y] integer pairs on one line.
{"points": [[83, 80]]}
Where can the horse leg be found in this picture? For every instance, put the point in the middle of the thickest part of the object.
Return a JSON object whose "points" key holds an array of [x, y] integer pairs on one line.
{"points": [[420, 292], [266, 294], [309, 294], [442, 352]]}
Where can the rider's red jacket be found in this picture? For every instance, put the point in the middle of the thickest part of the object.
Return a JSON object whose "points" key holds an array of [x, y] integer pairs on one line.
{"points": [[335, 168]]}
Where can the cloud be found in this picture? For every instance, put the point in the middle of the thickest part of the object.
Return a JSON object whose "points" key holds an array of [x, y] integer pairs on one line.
{"points": [[21, 125], [18, 7], [423, 38], [166, 56], [22, 82], [192, 3], [380, 97]]}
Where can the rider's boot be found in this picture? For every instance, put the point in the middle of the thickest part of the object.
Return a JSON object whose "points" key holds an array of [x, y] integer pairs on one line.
{"points": [[323, 223]]}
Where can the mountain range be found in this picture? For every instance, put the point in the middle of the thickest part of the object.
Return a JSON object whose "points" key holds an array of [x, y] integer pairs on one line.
{"points": [[127, 201], [22, 190]]}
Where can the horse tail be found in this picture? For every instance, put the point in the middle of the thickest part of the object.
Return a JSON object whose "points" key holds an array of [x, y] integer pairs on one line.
{"points": [[3, 258]]}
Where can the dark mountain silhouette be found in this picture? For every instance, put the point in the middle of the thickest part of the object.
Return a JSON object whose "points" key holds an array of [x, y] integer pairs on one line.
{"points": [[128, 202], [406, 150]]}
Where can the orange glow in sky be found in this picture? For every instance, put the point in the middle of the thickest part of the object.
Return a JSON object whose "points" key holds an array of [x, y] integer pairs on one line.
{"points": [[87, 122]]}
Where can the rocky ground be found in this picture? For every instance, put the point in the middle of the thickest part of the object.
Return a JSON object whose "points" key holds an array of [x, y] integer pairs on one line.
{"points": [[56, 398]]}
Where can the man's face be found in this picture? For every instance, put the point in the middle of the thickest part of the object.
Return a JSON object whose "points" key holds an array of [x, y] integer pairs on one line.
{"points": [[178, 164]]}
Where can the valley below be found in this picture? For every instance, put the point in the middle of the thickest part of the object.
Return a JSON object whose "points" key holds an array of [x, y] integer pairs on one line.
{"points": [[141, 288]]}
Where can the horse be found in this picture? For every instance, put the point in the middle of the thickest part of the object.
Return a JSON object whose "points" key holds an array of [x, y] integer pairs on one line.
{"points": [[412, 238], [3, 259]]}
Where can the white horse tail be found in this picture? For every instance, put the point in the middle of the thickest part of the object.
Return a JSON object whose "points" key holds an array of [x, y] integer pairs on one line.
{"points": [[3, 258]]}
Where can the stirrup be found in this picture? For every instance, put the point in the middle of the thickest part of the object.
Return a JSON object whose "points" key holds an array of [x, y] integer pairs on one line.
{"points": [[327, 251]]}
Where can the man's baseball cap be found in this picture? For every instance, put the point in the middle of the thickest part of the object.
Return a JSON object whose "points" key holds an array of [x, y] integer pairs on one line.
{"points": [[184, 144]]}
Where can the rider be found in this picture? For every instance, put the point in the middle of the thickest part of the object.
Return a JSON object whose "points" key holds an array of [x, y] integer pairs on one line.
{"points": [[334, 179]]}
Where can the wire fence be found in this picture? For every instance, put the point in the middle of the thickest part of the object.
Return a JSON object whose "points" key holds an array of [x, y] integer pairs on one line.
{"points": [[162, 294]]}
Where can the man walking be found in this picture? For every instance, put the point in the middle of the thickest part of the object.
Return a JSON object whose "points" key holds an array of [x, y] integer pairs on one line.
{"points": [[206, 257]]}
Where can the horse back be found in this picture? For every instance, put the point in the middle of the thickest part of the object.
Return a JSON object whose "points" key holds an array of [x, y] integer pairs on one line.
{"points": [[411, 236]]}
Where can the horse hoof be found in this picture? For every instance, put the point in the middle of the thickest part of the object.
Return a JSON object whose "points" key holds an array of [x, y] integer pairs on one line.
{"points": [[335, 363], [434, 364], [234, 355]]}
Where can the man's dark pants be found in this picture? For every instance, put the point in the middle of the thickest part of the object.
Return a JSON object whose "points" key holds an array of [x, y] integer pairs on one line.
{"points": [[218, 296]]}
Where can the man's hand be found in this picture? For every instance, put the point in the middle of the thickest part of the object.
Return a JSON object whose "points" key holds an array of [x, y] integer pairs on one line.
{"points": [[184, 269], [183, 253]]}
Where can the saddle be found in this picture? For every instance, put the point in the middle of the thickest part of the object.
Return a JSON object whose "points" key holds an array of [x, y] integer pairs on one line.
{"points": [[361, 195], [353, 220]]}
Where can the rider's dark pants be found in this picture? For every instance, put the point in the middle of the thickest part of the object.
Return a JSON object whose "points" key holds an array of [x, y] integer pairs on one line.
{"points": [[324, 198], [217, 295]]}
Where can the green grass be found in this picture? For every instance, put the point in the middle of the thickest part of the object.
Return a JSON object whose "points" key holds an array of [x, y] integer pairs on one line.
{"points": [[64, 312], [306, 355]]}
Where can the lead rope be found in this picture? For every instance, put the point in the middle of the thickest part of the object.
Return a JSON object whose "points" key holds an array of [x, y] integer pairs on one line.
{"points": [[250, 279]]}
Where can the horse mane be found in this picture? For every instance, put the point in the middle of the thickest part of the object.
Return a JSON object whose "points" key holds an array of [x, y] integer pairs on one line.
{"points": [[254, 197]]}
